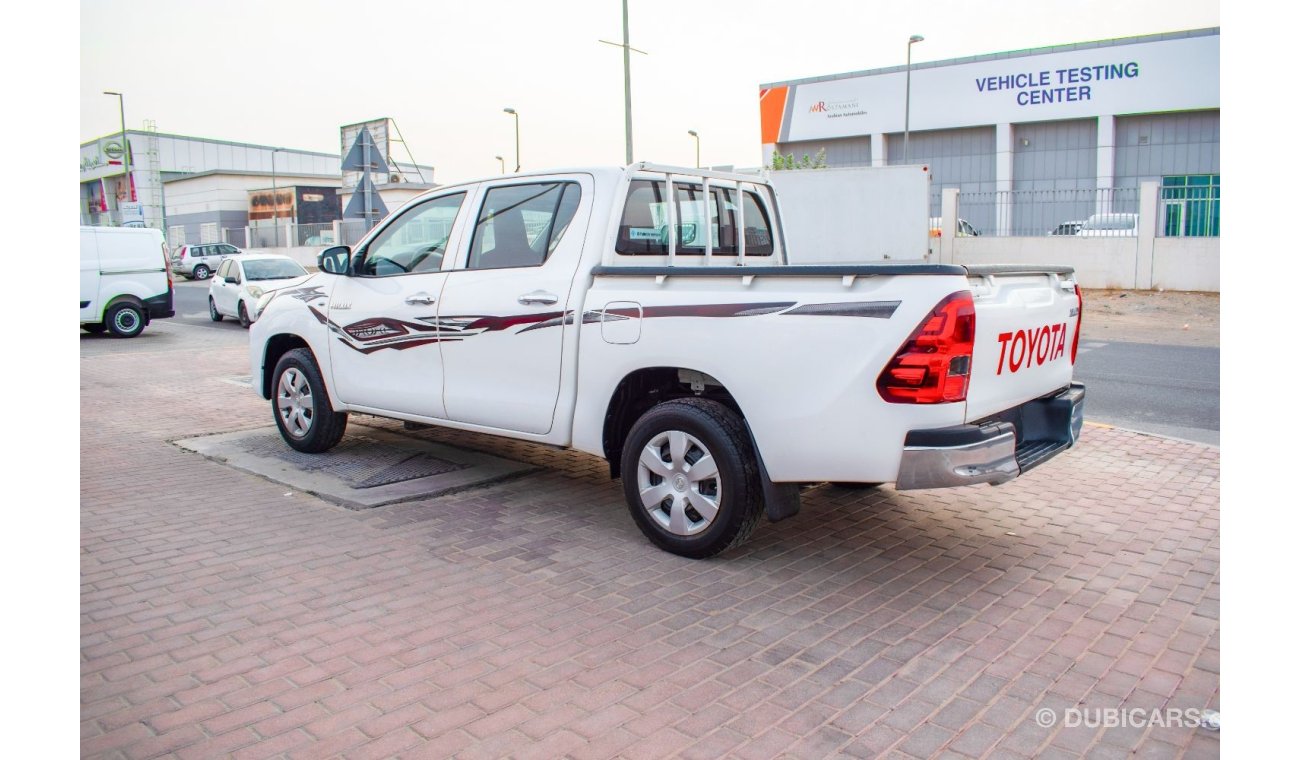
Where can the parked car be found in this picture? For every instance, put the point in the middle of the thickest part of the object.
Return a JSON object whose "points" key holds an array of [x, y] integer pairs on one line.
{"points": [[125, 280], [198, 262], [571, 309], [1067, 228], [240, 282], [1110, 225], [964, 228]]}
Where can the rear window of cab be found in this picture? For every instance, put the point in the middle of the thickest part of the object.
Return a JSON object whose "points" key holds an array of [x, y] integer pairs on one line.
{"points": [[643, 230]]}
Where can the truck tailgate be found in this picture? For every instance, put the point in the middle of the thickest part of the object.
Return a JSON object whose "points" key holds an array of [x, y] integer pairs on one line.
{"points": [[1025, 325]]}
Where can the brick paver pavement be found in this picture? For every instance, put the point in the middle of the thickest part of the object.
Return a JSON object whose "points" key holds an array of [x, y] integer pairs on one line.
{"points": [[225, 615]]}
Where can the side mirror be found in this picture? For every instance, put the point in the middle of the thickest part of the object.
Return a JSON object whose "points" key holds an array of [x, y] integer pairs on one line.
{"points": [[334, 260]]}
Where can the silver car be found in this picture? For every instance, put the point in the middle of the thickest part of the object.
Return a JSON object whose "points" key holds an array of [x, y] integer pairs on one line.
{"points": [[198, 262]]}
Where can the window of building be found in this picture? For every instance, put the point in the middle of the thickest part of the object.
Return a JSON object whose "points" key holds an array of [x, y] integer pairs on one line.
{"points": [[208, 232], [643, 231], [1190, 205]]}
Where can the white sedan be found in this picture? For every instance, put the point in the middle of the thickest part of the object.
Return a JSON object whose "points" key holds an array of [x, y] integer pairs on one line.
{"points": [[240, 282]]}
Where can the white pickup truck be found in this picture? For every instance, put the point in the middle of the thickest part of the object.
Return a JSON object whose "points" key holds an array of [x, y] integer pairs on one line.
{"points": [[648, 315]]}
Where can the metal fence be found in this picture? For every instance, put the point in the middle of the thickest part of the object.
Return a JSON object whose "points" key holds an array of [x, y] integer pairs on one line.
{"points": [[1092, 212], [314, 234], [352, 230]]}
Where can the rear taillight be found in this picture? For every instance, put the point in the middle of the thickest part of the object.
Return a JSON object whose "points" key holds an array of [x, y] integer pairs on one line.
{"points": [[933, 366], [1078, 323]]}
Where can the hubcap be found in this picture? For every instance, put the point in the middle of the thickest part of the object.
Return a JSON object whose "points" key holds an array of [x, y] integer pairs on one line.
{"points": [[679, 483], [126, 320], [294, 402]]}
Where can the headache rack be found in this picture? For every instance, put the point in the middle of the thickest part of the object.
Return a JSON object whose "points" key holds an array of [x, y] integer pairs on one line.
{"points": [[713, 179]]}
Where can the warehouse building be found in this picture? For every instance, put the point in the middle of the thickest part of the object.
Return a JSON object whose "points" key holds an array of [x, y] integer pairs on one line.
{"points": [[1033, 139]]}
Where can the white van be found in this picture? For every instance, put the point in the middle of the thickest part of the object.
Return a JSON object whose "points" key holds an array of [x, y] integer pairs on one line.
{"points": [[126, 280], [1110, 225]]}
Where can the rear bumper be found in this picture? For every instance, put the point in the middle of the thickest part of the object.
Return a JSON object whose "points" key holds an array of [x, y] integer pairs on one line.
{"points": [[994, 450], [160, 306]]}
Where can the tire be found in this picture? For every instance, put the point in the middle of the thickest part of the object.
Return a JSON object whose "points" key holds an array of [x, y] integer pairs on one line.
{"points": [[244, 321], [201, 272], [95, 328], [660, 452], [301, 405], [856, 486], [124, 320], [212, 310]]}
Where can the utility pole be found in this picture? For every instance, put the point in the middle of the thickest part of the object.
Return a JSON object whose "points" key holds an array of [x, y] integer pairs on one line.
{"points": [[627, 80]]}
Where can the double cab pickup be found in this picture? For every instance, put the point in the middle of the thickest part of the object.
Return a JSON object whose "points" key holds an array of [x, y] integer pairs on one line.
{"points": [[649, 315]]}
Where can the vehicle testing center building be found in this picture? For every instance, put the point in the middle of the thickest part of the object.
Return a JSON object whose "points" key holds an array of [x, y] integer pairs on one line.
{"points": [[1031, 139]]}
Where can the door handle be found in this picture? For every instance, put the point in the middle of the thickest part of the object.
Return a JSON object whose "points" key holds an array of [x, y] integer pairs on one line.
{"points": [[420, 298], [539, 297]]}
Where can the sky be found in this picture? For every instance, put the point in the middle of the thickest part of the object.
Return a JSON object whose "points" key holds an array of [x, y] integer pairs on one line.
{"points": [[291, 73]]}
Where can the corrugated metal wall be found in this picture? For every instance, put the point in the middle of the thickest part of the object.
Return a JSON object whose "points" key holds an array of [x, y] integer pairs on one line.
{"points": [[844, 151], [962, 158], [1050, 156], [1152, 146], [1057, 155]]}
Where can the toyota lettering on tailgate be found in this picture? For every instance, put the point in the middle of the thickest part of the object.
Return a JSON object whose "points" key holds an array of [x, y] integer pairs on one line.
{"points": [[1033, 347]]}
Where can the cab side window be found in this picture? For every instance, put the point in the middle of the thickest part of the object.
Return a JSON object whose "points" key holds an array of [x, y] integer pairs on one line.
{"points": [[643, 230], [415, 242], [521, 225]]}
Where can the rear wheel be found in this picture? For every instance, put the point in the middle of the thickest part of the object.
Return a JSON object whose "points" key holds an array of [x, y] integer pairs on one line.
{"points": [[690, 479], [125, 320], [201, 272], [303, 413]]}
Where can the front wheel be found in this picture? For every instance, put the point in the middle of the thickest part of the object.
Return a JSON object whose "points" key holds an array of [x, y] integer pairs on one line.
{"points": [[244, 321], [690, 478], [303, 413], [125, 320], [212, 310]]}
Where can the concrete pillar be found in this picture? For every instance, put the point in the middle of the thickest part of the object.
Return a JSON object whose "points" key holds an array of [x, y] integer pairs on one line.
{"points": [[1105, 163], [1003, 179], [948, 226], [1148, 205], [878, 149], [337, 224]]}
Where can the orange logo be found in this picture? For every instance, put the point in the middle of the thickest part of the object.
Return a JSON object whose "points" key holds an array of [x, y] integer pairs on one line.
{"points": [[818, 107]]}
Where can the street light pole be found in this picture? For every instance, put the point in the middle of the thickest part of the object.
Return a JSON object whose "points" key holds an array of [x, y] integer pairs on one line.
{"points": [[696, 135], [515, 114], [126, 146], [907, 107], [503, 163]]}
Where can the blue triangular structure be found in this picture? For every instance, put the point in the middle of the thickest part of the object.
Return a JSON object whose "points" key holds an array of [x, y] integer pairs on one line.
{"points": [[355, 161], [357, 205]]}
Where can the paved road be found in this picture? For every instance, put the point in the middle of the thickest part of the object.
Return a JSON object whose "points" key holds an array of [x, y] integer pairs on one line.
{"points": [[1169, 390]]}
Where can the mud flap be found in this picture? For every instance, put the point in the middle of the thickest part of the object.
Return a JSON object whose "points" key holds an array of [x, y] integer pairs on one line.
{"points": [[780, 500]]}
